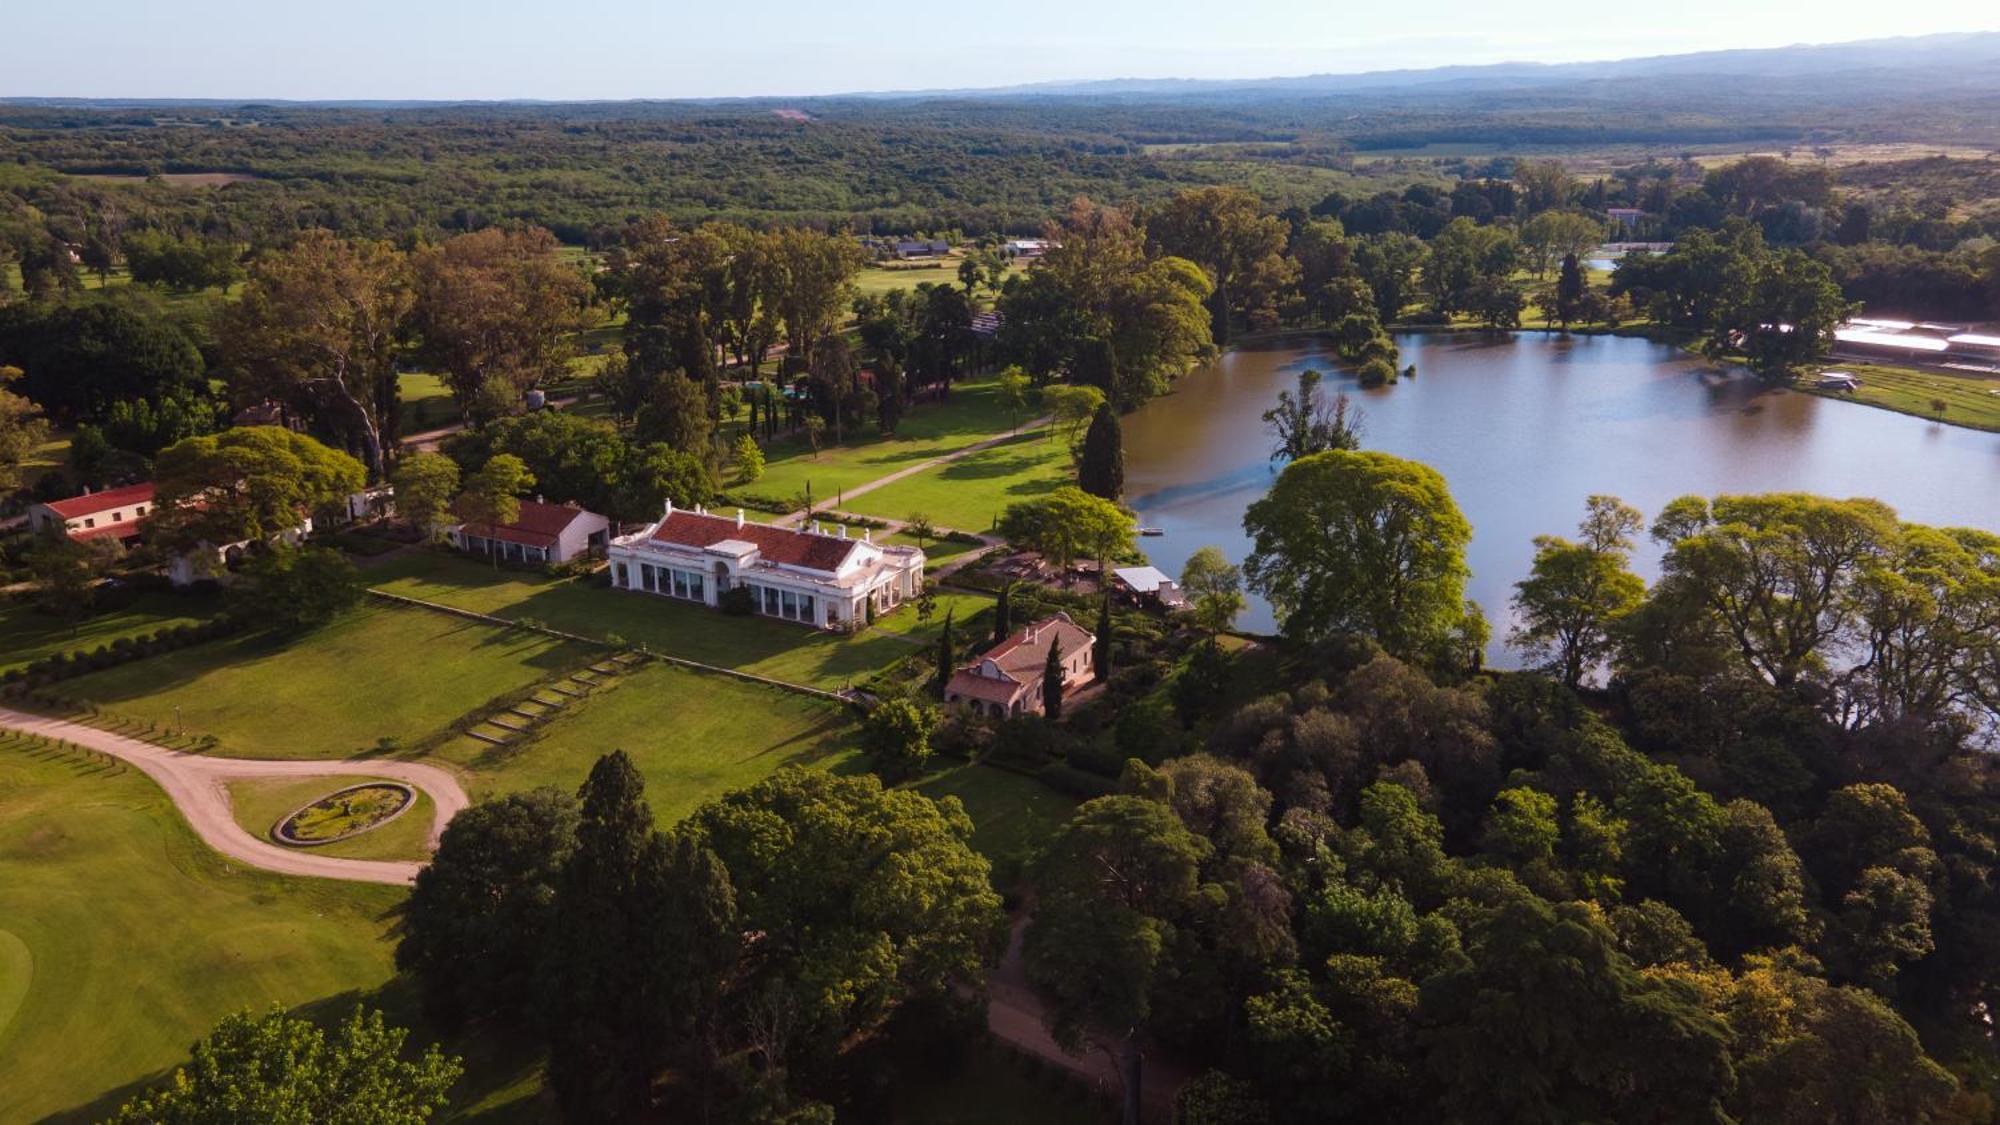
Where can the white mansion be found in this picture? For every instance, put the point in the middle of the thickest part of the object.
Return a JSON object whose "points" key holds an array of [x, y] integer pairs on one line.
{"points": [[829, 581]]}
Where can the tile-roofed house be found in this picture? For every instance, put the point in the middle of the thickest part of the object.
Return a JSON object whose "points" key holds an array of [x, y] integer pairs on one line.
{"points": [[1007, 680], [542, 533], [829, 580], [114, 513]]}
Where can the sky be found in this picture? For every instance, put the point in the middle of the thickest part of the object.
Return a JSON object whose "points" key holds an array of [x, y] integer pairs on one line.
{"points": [[616, 49]]}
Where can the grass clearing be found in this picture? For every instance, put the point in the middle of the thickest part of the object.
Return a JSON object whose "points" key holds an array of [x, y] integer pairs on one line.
{"points": [[427, 402], [257, 803], [761, 645], [1969, 400], [990, 1088], [381, 672], [693, 735], [1012, 815], [971, 414], [27, 635], [970, 494], [135, 938]]}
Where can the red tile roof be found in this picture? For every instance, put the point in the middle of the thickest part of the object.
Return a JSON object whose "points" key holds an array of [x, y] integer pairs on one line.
{"points": [[972, 685], [92, 503], [128, 530], [774, 544], [1020, 654], [539, 524]]}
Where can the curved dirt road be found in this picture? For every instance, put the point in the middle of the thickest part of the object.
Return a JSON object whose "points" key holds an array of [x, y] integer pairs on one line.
{"points": [[198, 786]]}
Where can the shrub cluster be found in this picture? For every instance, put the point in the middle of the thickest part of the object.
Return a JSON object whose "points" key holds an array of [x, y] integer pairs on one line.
{"points": [[63, 665]]}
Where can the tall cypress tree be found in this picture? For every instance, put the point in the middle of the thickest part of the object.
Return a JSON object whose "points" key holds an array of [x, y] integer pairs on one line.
{"points": [[1569, 290], [945, 657], [1100, 654], [1052, 680], [1101, 469], [607, 1025], [1001, 612]]}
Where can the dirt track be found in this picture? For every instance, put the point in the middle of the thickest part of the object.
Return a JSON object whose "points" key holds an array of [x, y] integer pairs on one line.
{"points": [[198, 786]]}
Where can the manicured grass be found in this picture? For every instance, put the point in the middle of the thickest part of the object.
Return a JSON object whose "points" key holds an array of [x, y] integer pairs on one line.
{"points": [[378, 672], [694, 736], [970, 494], [427, 402], [123, 938], [1969, 400], [27, 635], [761, 645], [1012, 816], [928, 429], [259, 802]]}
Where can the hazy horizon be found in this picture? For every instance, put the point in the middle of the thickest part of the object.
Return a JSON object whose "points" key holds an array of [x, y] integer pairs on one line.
{"points": [[629, 49]]}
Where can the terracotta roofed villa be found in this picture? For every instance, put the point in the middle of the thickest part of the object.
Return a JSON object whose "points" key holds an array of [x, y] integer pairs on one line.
{"points": [[114, 513], [826, 579], [1007, 680]]}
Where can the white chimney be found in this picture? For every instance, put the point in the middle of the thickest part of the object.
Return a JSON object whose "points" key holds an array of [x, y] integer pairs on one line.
{"points": [[843, 531], [739, 517], [668, 512], [866, 535]]}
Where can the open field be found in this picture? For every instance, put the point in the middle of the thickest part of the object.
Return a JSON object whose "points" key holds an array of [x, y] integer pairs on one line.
{"points": [[1969, 400], [427, 402], [123, 938], [694, 735], [27, 635], [971, 414], [760, 645], [259, 802], [176, 179], [969, 494], [378, 673]]}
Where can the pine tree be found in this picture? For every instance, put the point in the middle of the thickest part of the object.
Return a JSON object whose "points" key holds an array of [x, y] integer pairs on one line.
{"points": [[1052, 680], [1101, 469], [1101, 651], [945, 657]]}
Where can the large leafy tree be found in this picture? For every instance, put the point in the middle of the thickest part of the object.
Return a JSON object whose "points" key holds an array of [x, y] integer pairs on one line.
{"points": [[482, 911], [1777, 572], [1068, 524], [425, 485], [1214, 588], [317, 326], [252, 482], [496, 313], [845, 881], [1226, 232], [1576, 591], [1113, 887], [277, 1068], [79, 359], [22, 429], [1361, 542], [301, 587]]}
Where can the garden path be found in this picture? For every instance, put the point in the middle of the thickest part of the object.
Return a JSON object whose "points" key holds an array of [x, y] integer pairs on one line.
{"points": [[198, 785]]}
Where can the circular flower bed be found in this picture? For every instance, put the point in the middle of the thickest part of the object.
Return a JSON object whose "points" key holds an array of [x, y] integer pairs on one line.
{"points": [[344, 813]]}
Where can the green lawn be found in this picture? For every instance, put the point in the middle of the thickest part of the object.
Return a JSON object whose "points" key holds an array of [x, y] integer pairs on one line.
{"points": [[427, 402], [751, 644], [123, 938], [929, 429], [694, 735], [379, 672], [27, 635], [1969, 400], [1012, 816], [259, 802], [970, 494]]}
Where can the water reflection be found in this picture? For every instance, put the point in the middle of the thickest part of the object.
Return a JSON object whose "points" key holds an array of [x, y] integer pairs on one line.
{"points": [[1525, 427]]}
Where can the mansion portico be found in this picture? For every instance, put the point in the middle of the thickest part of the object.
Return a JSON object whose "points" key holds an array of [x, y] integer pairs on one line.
{"points": [[828, 580]]}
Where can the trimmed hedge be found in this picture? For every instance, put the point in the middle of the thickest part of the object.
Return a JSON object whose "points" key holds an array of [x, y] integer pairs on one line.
{"points": [[65, 665]]}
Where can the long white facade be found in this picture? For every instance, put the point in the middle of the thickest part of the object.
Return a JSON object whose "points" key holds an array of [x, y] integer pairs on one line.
{"points": [[825, 580]]}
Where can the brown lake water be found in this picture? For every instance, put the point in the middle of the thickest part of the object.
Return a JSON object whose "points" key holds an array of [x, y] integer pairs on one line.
{"points": [[1524, 427]]}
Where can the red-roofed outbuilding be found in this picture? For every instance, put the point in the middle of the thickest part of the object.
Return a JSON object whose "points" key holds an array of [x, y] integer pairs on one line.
{"points": [[114, 513]]}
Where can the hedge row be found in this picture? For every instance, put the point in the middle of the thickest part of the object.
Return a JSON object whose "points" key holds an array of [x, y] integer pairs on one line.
{"points": [[64, 665]]}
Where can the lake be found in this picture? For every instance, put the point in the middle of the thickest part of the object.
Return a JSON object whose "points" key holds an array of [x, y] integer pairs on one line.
{"points": [[1525, 426]]}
